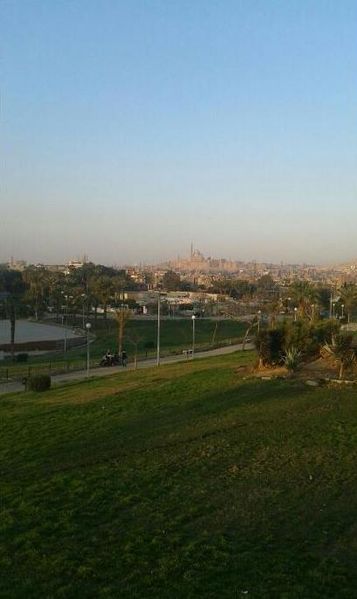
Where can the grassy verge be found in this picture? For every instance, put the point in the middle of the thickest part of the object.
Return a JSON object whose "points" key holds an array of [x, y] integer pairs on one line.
{"points": [[186, 481], [176, 335]]}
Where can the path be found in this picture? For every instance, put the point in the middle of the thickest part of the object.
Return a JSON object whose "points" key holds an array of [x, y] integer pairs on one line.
{"points": [[79, 375]]}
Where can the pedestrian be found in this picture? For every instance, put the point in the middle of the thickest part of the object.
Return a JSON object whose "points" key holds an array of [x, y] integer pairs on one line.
{"points": [[124, 358]]}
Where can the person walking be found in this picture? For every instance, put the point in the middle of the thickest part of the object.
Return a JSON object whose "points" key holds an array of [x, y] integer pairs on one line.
{"points": [[124, 358]]}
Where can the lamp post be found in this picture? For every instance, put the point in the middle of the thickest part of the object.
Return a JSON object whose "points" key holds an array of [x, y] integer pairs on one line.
{"points": [[83, 295], [193, 334], [295, 313], [333, 310], [88, 328], [65, 323], [259, 319], [342, 310], [158, 331]]}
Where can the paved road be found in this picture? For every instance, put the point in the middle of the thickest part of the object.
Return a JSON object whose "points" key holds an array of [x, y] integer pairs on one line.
{"points": [[78, 375]]}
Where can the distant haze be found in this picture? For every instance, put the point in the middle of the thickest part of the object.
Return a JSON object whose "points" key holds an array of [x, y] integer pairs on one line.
{"points": [[129, 129]]}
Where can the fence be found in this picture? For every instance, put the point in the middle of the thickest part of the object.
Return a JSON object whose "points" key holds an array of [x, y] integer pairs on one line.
{"points": [[17, 372]]}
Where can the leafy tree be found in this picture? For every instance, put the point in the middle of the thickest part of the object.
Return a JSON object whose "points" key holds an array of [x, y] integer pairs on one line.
{"points": [[324, 297], [266, 283], [171, 281]]}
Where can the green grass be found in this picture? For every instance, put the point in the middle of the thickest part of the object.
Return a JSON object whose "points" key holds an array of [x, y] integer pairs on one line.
{"points": [[183, 481], [176, 335]]}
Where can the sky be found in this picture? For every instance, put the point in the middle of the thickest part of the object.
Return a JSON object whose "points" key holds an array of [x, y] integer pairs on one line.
{"points": [[131, 128]]}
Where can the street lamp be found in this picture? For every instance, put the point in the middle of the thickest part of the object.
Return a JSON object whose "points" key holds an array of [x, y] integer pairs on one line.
{"points": [[259, 319], [83, 295], [342, 310], [193, 335], [333, 309], [65, 323], [295, 313], [88, 328], [158, 331]]}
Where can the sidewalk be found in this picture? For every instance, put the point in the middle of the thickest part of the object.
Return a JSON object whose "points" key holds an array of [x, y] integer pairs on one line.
{"points": [[15, 387]]}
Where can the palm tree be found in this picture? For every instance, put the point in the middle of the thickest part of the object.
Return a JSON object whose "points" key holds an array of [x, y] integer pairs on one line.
{"points": [[103, 291], [56, 284], [13, 285], [341, 351], [305, 298], [348, 296], [37, 281], [122, 316]]}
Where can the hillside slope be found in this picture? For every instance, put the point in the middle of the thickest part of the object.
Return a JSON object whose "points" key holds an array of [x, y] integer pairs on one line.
{"points": [[186, 481]]}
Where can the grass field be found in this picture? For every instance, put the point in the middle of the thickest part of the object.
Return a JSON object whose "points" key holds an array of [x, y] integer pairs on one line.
{"points": [[176, 335], [187, 481]]}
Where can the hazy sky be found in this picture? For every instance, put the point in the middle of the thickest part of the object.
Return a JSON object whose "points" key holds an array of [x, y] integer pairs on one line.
{"points": [[130, 128]]}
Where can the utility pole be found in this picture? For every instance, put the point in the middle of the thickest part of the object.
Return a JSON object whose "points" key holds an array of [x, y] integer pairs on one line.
{"points": [[193, 335], [158, 331]]}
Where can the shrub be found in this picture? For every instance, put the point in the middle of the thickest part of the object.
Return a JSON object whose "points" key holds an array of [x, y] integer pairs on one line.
{"points": [[269, 344], [292, 359], [22, 357], [39, 382]]}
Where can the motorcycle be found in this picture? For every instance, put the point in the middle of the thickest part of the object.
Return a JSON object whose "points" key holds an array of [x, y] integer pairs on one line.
{"points": [[110, 361]]}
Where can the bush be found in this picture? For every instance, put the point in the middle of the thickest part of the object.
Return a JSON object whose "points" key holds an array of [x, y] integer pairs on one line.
{"points": [[292, 359], [39, 382], [22, 357], [269, 344]]}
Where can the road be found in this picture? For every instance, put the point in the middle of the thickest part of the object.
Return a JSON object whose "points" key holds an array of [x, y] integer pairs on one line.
{"points": [[15, 387]]}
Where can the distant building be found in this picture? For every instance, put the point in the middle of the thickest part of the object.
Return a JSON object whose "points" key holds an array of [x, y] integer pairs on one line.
{"points": [[17, 264]]}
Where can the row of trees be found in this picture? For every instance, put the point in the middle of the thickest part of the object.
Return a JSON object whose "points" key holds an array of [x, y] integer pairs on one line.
{"points": [[309, 299], [37, 290]]}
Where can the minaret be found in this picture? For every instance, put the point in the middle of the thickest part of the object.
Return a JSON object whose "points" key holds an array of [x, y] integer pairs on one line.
{"points": [[191, 249]]}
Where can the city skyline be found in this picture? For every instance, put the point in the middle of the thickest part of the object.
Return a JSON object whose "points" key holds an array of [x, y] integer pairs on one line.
{"points": [[170, 261]]}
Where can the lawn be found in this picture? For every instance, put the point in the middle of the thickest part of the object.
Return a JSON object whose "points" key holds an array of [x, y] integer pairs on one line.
{"points": [[183, 481], [140, 336]]}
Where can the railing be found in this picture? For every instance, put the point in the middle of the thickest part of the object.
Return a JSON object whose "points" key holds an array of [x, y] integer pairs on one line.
{"points": [[17, 372]]}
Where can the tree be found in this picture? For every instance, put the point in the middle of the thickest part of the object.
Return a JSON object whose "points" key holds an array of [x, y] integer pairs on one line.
{"points": [[270, 345], [305, 298], [348, 297], [121, 316], [340, 350], [171, 281], [103, 289], [12, 284], [134, 338], [37, 280], [56, 284], [266, 284]]}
